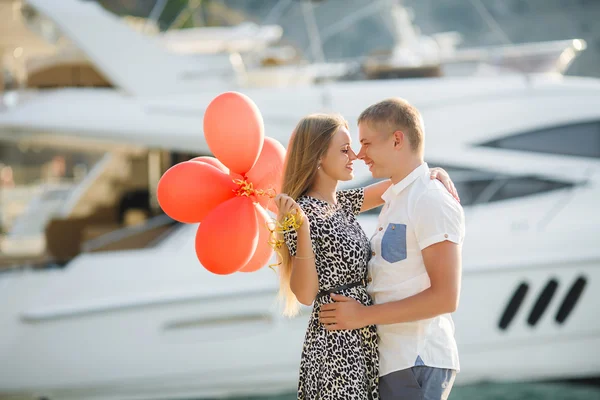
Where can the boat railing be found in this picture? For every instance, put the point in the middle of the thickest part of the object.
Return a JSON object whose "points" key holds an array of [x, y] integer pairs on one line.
{"points": [[158, 225]]}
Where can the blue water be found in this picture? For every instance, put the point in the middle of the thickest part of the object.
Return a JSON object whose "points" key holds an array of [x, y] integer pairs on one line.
{"points": [[506, 391]]}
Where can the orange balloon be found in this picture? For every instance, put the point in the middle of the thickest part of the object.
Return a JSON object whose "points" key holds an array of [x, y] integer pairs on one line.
{"points": [[267, 173], [212, 161], [264, 251], [235, 176], [234, 131], [228, 236], [188, 191], [267, 203]]}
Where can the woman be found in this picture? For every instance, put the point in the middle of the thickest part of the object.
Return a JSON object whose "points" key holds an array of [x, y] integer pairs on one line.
{"points": [[328, 253]]}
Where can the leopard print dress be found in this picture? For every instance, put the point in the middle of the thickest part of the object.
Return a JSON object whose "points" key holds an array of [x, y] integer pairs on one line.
{"points": [[337, 364]]}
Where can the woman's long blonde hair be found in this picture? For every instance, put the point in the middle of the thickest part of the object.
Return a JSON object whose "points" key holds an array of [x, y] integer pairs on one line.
{"points": [[307, 146]]}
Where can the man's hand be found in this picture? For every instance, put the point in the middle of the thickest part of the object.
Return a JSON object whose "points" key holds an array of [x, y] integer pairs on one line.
{"points": [[345, 313]]}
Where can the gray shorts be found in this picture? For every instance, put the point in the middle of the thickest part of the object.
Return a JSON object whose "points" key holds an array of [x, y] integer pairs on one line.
{"points": [[417, 383]]}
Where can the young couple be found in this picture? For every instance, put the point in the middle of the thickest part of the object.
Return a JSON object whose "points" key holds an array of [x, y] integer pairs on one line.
{"points": [[380, 326]]}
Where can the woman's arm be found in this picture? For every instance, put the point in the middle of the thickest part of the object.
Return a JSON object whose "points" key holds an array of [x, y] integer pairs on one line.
{"points": [[373, 195], [374, 192], [304, 281]]}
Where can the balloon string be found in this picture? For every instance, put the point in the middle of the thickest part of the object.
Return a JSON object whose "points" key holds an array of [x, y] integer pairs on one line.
{"points": [[276, 228], [247, 189], [290, 222]]}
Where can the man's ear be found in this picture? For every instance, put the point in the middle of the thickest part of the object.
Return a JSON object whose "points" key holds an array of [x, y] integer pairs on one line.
{"points": [[398, 139]]}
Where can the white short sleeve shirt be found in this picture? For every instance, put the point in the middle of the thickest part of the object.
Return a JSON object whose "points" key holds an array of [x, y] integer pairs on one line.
{"points": [[418, 213]]}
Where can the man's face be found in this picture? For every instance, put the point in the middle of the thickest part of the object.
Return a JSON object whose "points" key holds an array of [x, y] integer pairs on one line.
{"points": [[376, 150]]}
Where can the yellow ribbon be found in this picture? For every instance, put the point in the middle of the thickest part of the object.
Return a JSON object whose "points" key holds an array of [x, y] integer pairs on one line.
{"points": [[290, 222], [247, 189]]}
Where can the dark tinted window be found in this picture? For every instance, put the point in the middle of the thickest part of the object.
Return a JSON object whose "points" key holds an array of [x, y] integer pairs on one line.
{"points": [[525, 186], [581, 140], [480, 187], [498, 187]]}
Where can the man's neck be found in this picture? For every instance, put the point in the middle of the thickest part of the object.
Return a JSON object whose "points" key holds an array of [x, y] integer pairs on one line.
{"points": [[404, 169]]}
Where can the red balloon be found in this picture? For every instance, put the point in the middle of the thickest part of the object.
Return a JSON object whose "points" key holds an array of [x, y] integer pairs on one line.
{"points": [[234, 131], [212, 161], [228, 236], [235, 176], [267, 173], [264, 251], [188, 191], [267, 203]]}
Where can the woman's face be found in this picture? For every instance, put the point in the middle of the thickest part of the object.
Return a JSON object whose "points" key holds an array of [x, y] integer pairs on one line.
{"points": [[337, 162]]}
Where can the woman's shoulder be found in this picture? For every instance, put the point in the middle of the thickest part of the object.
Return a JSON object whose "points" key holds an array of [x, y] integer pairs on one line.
{"points": [[350, 194], [303, 200], [351, 199], [306, 203], [312, 207]]}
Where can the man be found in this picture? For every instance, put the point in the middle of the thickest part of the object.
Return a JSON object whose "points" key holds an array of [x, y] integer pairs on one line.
{"points": [[415, 269]]}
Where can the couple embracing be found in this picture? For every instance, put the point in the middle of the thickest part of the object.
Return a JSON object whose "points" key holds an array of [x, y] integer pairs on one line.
{"points": [[381, 326]]}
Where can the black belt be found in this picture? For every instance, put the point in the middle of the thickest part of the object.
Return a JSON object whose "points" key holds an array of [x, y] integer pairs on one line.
{"points": [[325, 292]]}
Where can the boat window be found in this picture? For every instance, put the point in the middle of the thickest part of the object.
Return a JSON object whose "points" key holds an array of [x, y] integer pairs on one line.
{"points": [[582, 139], [39, 211], [480, 187], [525, 186]]}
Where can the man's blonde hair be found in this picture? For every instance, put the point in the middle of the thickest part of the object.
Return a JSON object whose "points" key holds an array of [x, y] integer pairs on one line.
{"points": [[396, 114]]}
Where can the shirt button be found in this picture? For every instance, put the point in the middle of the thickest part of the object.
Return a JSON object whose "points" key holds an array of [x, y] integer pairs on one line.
{"points": [[446, 236], [369, 279], [373, 253], [380, 228]]}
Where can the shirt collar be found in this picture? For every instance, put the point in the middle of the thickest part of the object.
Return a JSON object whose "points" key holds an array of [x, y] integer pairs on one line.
{"points": [[396, 189]]}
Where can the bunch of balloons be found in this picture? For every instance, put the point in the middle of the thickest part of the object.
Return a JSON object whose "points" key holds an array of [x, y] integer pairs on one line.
{"points": [[228, 194]]}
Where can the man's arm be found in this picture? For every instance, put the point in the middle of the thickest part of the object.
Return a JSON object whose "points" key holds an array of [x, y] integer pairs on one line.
{"points": [[442, 261], [439, 226], [443, 264]]}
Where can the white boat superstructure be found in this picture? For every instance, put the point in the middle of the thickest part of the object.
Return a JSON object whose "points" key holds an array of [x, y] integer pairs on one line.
{"points": [[118, 307], [134, 316], [189, 60], [440, 55], [243, 56]]}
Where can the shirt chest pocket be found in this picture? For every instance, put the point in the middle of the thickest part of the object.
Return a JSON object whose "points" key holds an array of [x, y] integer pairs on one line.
{"points": [[393, 243]]}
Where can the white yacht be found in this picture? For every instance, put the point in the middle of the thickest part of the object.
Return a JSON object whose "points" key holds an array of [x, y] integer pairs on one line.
{"points": [[118, 310], [131, 313]]}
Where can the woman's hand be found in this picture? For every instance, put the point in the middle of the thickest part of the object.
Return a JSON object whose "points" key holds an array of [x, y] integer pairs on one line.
{"points": [[304, 281], [441, 175], [287, 205]]}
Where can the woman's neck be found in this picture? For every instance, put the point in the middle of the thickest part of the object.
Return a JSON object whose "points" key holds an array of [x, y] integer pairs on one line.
{"points": [[324, 188]]}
